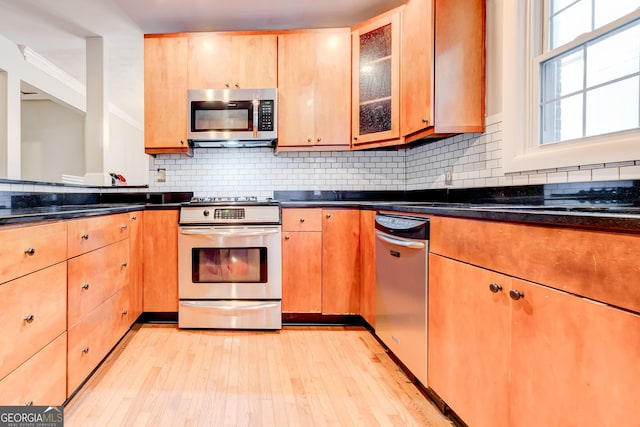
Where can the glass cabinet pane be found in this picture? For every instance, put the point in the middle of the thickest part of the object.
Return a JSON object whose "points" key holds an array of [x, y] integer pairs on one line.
{"points": [[375, 117]]}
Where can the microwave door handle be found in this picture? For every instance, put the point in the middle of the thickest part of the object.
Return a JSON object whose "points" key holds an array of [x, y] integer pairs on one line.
{"points": [[256, 107]]}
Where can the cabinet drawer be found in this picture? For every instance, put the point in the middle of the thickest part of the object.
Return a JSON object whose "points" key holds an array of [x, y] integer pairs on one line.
{"points": [[27, 249], [32, 315], [95, 276], [595, 264], [88, 234], [40, 380], [95, 335], [302, 219]]}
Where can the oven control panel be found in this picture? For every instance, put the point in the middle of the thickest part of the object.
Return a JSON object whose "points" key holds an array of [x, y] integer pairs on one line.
{"points": [[226, 214]]}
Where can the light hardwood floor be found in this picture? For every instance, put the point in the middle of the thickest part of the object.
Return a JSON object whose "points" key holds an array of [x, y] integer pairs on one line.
{"points": [[300, 376]]}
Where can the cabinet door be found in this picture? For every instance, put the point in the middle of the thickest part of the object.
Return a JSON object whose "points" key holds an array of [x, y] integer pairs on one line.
{"points": [[136, 256], [368, 267], [341, 261], [416, 66], [459, 66], [165, 95], [314, 72], [160, 247], [301, 272], [376, 80], [218, 61], [573, 361], [468, 341]]}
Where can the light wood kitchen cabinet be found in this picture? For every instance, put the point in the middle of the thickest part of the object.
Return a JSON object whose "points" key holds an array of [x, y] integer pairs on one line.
{"points": [[442, 70], [136, 256], [94, 336], [94, 277], [165, 94], [27, 249], [32, 315], [314, 89], [375, 69], [302, 260], [326, 243], [160, 246], [232, 60], [368, 266], [556, 352], [41, 380], [340, 261], [88, 234]]}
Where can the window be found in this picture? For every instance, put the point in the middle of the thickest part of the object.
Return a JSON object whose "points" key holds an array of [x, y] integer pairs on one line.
{"points": [[572, 83]]}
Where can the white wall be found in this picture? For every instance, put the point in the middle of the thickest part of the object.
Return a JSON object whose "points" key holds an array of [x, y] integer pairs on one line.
{"points": [[52, 141], [125, 154]]}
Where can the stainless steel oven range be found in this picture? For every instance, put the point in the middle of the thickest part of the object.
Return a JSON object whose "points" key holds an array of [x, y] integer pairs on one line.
{"points": [[230, 263]]}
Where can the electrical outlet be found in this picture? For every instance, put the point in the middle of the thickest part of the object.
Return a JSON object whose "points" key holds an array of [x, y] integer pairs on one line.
{"points": [[448, 177], [161, 176]]}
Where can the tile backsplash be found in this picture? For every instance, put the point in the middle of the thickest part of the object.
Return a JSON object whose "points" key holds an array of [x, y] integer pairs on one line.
{"points": [[474, 159]]}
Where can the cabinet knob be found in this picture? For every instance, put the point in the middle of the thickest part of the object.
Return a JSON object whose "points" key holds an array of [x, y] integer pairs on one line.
{"points": [[133, 218], [355, 138], [30, 251], [301, 219], [85, 236], [85, 350], [425, 121], [123, 226], [28, 318], [237, 85], [515, 294], [287, 237], [182, 142], [495, 288], [226, 85], [85, 286], [125, 312], [328, 215], [29, 403], [124, 264], [309, 140], [318, 139]]}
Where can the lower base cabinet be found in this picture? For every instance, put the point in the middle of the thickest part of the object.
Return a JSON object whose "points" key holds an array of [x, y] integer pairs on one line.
{"points": [[507, 352], [41, 380]]}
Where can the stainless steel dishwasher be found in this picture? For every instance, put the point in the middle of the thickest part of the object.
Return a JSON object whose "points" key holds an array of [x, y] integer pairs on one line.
{"points": [[402, 247]]}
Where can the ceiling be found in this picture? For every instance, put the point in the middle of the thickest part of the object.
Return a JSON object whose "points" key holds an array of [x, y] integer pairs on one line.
{"points": [[57, 29]]}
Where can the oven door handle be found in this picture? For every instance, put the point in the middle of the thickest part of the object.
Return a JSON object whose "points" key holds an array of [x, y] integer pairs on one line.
{"points": [[235, 233], [230, 307], [404, 243]]}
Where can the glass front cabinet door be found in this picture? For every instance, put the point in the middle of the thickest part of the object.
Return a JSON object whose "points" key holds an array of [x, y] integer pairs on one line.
{"points": [[376, 67]]}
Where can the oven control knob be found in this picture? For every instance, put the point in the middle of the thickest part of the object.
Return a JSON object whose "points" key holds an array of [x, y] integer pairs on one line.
{"points": [[205, 213]]}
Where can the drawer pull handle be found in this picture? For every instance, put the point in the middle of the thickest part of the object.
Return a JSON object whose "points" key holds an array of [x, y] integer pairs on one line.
{"points": [[125, 312], [85, 350], [495, 288], [287, 237], [85, 286], [328, 215], [515, 294], [124, 264], [29, 403], [28, 318], [123, 226], [301, 219], [133, 218], [85, 236], [30, 251]]}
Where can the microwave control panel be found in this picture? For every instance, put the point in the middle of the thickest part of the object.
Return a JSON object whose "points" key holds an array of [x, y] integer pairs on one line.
{"points": [[265, 115]]}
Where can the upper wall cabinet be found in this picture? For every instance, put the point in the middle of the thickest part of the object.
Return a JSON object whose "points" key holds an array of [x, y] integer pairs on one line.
{"points": [[218, 60], [376, 81], [443, 70], [165, 94], [314, 90]]}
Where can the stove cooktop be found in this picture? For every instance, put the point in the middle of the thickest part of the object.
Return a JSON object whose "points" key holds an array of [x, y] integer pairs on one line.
{"points": [[229, 200]]}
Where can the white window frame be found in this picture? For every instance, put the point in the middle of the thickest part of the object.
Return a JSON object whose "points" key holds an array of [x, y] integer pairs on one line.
{"points": [[522, 24]]}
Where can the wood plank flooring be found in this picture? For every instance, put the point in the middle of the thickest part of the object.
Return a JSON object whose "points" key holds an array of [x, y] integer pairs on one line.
{"points": [[299, 376]]}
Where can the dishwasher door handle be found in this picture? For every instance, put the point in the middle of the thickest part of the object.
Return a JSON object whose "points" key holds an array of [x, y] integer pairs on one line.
{"points": [[412, 244]]}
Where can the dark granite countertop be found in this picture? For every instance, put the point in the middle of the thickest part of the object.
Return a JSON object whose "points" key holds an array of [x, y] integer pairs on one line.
{"points": [[45, 213]]}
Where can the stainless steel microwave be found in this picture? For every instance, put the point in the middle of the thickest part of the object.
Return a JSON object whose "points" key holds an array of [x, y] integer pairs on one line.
{"points": [[233, 117]]}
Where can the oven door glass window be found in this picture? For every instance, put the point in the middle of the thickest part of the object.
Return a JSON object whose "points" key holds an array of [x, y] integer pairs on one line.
{"points": [[229, 265]]}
